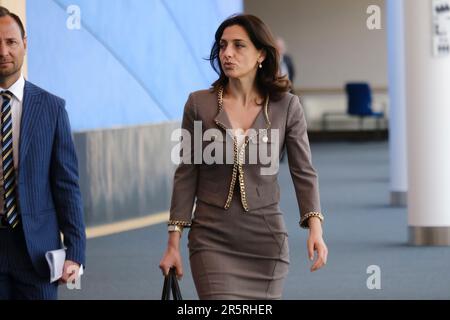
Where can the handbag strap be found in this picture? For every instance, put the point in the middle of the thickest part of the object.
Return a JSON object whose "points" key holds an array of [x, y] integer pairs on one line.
{"points": [[171, 285], [166, 287], [176, 292]]}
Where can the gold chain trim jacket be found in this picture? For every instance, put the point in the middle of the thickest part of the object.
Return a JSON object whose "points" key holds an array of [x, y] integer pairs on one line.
{"points": [[214, 183]]}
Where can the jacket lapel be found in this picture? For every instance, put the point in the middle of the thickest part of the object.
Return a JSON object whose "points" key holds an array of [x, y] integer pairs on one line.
{"points": [[30, 113], [260, 123], [223, 122]]}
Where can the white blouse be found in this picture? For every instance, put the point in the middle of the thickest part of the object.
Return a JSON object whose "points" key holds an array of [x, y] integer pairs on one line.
{"points": [[240, 137]]}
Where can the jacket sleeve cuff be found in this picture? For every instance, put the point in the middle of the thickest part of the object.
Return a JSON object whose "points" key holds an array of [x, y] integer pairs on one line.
{"points": [[185, 224], [304, 220], [77, 257]]}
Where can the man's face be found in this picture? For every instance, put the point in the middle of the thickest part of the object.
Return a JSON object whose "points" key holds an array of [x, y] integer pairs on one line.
{"points": [[12, 48]]}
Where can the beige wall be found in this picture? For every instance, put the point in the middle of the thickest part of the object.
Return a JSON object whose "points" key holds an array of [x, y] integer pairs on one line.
{"points": [[328, 39], [18, 7]]}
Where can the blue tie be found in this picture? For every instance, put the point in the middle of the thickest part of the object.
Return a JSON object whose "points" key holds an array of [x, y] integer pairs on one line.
{"points": [[10, 211]]}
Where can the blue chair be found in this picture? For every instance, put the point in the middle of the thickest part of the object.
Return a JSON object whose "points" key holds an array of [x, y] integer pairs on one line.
{"points": [[359, 97]]}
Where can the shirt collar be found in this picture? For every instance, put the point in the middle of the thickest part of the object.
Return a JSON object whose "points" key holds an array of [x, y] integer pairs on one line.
{"points": [[17, 88]]}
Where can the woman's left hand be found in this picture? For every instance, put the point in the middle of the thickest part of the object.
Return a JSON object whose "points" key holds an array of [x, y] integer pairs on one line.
{"points": [[315, 242]]}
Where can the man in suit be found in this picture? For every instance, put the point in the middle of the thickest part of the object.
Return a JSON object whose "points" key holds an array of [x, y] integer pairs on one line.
{"points": [[286, 68], [39, 190], [286, 63]]}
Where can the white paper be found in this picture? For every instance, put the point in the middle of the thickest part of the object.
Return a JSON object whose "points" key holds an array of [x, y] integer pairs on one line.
{"points": [[55, 260]]}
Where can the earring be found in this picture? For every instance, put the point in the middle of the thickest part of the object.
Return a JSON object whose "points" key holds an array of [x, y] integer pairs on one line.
{"points": [[260, 65]]}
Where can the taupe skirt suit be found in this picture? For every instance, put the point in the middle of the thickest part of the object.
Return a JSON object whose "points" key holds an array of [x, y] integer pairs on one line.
{"points": [[238, 242]]}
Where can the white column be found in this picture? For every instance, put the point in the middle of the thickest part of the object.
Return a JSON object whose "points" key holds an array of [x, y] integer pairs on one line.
{"points": [[397, 112], [428, 129]]}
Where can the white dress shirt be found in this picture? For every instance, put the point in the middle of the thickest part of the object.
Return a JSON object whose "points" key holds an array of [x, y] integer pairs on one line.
{"points": [[16, 113]]}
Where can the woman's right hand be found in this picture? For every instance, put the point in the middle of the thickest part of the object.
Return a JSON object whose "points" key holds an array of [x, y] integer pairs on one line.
{"points": [[172, 257]]}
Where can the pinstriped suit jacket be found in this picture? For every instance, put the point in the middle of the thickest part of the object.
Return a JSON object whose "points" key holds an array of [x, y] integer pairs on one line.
{"points": [[48, 191]]}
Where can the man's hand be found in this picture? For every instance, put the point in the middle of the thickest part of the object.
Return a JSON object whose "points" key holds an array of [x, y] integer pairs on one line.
{"points": [[71, 270]]}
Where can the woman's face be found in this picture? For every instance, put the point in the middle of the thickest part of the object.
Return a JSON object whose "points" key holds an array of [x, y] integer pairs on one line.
{"points": [[238, 56]]}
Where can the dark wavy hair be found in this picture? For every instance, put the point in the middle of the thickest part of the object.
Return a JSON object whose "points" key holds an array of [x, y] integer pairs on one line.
{"points": [[268, 79]]}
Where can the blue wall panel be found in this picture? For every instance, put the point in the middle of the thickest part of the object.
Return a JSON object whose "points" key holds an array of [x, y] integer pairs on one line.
{"points": [[132, 62]]}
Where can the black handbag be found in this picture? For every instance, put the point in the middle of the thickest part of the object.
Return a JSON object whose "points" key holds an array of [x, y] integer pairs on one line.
{"points": [[171, 284]]}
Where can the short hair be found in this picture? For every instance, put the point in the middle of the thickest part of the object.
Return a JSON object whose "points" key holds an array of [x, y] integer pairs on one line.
{"points": [[6, 13]]}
